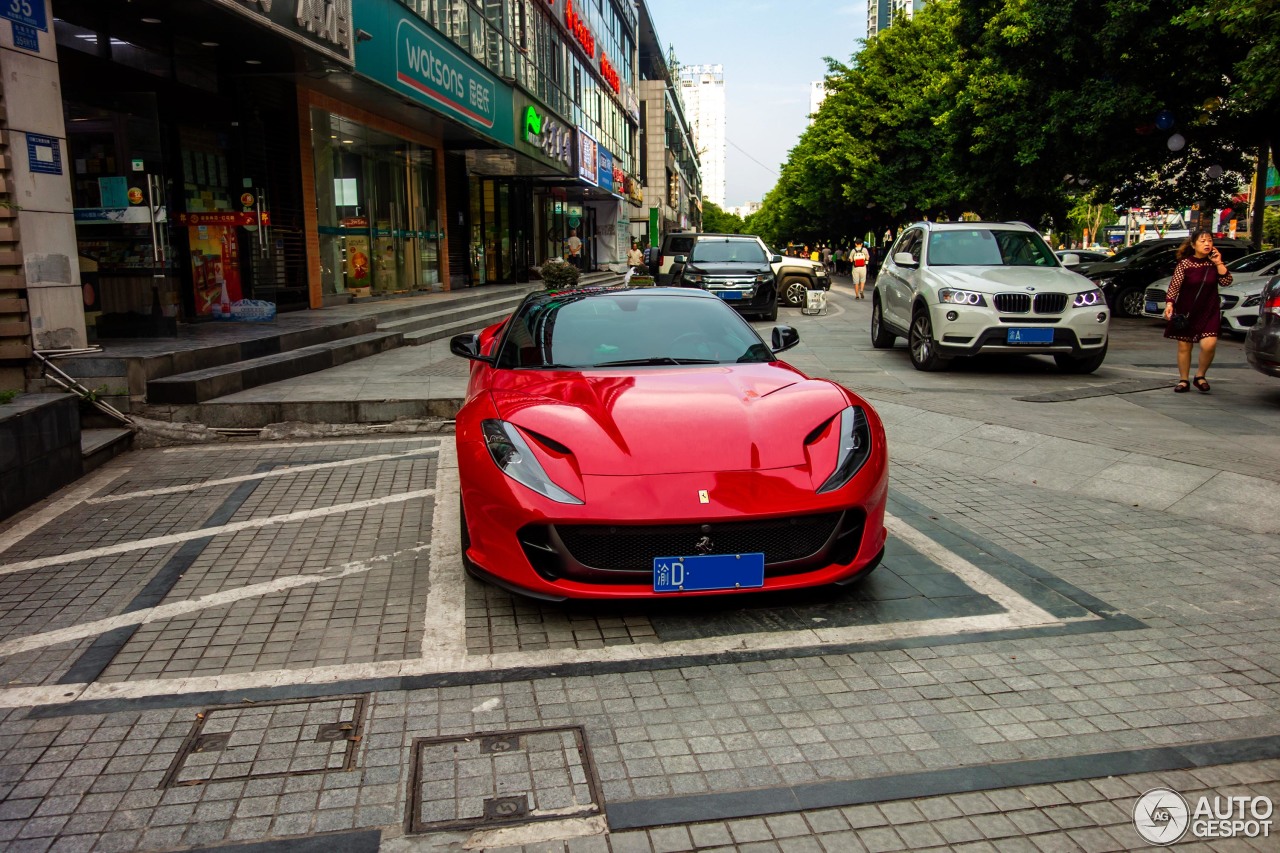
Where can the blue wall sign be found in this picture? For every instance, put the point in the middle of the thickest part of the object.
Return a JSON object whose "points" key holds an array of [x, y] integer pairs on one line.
{"points": [[604, 168], [28, 12], [44, 154], [26, 38]]}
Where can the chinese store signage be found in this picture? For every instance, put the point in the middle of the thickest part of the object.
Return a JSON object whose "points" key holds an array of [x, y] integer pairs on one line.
{"points": [[410, 57], [544, 133], [321, 24], [587, 168]]}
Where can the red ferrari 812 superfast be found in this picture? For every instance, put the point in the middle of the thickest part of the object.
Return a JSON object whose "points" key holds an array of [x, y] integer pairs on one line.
{"points": [[645, 442]]}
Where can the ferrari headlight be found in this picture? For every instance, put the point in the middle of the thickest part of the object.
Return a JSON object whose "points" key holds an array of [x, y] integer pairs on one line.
{"points": [[952, 296], [512, 454], [1088, 299], [855, 448]]}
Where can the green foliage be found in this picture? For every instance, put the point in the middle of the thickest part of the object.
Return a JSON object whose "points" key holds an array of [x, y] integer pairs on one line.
{"points": [[1039, 110], [6, 396], [1271, 226], [717, 220], [559, 275]]}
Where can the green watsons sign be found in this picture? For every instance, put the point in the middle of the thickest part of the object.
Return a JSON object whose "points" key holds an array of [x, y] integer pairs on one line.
{"points": [[408, 55]]}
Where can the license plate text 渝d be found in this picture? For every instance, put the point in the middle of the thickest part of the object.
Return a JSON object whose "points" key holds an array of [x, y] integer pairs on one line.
{"points": [[708, 572]]}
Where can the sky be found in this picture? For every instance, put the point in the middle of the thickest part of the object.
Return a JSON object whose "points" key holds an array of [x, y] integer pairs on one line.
{"points": [[771, 50]]}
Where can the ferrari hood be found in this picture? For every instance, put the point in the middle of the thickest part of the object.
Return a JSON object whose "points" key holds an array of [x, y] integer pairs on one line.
{"points": [[661, 420]]}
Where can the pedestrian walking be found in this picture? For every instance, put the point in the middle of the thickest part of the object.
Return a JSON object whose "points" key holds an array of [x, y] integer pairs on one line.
{"points": [[635, 258], [574, 245], [826, 258], [859, 257], [1192, 310]]}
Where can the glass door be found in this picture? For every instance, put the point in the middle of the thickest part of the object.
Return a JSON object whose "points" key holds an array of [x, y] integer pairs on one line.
{"points": [[120, 191]]}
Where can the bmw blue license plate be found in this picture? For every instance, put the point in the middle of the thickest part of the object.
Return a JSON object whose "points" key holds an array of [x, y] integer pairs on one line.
{"points": [[1024, 335], [729, 294], [710, 571]]}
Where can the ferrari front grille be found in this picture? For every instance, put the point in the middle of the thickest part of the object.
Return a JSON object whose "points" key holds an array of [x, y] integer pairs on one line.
{"points": [[623, 548]]}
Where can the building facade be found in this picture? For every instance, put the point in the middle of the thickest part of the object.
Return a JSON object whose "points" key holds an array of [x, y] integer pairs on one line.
{"points": [[817, 94], [880, 13], [702, 88], [228, 159], [669, 164]]}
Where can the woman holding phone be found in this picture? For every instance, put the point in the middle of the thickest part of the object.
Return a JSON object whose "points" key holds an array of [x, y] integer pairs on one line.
{"points": [[1192, 311]]}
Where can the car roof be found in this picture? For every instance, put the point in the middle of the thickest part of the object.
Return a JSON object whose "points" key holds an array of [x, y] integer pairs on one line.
{"points": [[958, 226], [603, 292]]}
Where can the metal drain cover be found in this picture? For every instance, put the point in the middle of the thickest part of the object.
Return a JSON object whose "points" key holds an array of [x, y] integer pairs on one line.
{"points": [[500, 778], [283, 738]]}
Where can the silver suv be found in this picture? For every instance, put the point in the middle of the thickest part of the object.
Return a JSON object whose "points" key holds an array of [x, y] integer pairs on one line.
{"points": [[964, 288]]}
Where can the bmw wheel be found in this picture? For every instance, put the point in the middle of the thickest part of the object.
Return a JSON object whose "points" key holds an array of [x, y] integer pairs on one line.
{"points": [[920, 342], [881, 338]]}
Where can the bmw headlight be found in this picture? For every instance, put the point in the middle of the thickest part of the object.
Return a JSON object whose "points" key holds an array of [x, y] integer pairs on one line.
{"points": [[1088, 299], [855, 448], [512, 454], [952, 296]]}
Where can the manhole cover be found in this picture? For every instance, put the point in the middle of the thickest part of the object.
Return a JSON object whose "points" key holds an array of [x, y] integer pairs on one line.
{"points": [[283, 738], [500, 778]]}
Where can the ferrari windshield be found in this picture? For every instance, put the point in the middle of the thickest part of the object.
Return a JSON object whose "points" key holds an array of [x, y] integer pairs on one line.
{"points": [[590, 329], [988, 247]]}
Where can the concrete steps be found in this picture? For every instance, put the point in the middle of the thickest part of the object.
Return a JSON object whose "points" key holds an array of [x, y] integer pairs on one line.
{"points": [[99, 444], [198, 386], [423, 327]]}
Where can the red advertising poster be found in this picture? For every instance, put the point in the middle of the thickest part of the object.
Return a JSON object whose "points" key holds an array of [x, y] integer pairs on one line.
{"points": [[215, 269]]}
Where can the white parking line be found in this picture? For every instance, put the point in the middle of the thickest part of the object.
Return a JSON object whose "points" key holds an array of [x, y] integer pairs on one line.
{"points": [[185, 536], [444, 629], [82, 491], [279, 472], [444, 648], [178, 608], [336, 441]]}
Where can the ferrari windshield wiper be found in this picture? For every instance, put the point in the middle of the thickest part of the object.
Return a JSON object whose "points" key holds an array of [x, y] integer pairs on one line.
{"points": [[662, 359]]}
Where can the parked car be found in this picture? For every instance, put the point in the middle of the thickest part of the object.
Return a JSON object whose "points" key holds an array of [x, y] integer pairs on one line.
{"points": [[1240, 301], [793, 275], [1262, 343], [964, 288], [735, 267], [573, 487], [1081, 256], [1125, 283], [673, 243]]}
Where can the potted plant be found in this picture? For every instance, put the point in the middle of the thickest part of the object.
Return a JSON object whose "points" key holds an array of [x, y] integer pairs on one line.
{"points": [[559, 275]]}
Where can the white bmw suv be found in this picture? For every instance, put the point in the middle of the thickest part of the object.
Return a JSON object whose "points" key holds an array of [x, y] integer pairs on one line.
{"points": [[964, 288]]}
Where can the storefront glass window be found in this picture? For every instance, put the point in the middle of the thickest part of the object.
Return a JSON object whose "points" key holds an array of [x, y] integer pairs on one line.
{"points": [[378, 220]]}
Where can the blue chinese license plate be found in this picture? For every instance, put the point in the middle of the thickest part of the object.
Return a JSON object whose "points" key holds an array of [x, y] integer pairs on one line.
{"points": [[710, 571], [1024, 335], [729, 294], [1151, 307]]}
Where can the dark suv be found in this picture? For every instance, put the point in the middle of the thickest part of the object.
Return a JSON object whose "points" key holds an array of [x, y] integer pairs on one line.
{"points": [[734, 267], [1125, 277]]}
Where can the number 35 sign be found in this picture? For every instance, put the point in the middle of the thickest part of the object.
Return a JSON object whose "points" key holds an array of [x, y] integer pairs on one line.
{"points": [[28, 12]]}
